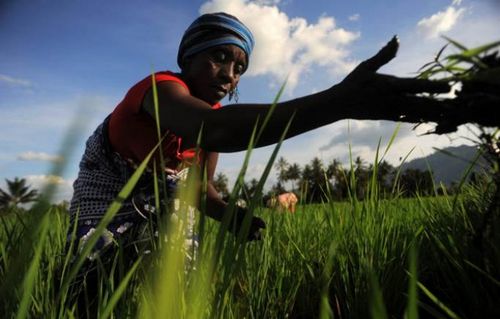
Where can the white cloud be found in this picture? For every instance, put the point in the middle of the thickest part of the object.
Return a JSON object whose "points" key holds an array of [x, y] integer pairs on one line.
{"points": [[267, 2], [39, 181], [365, 133], [15, 81], [361, 138], [441, 22], [354, 17], [39, 156], [63, 187], [289, 47]]}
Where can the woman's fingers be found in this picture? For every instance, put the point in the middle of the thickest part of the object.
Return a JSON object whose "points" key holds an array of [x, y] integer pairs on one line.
{"points": [[386, 54], [413, 86], [404, 108], [415, 109]]}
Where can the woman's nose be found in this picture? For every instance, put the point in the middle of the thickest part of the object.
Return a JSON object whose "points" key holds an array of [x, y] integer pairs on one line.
{"points": [[227, 71]]}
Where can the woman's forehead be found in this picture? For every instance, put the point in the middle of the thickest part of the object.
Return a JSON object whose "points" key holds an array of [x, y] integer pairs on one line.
{"points": [[232, 49]]}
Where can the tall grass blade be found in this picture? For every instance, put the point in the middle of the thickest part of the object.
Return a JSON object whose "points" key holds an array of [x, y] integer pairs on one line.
{"points": [[484, 273], [474, 52], [33, 270], [399, 170], [412, 307], [160, 152], [455, 43], [271, 111], [325, 310], [108, 309], [437, 302], [377, 306], [391, 140], [246, 223]]}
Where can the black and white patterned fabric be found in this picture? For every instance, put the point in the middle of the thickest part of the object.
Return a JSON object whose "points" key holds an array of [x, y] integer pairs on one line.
{"points": [[102, 175]]}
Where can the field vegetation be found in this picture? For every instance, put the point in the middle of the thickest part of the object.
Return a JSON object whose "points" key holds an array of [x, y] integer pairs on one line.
{"points": [[355, 259]]}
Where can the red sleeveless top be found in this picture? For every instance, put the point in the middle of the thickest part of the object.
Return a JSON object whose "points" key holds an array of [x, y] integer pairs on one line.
{"points": [[132, 131]]}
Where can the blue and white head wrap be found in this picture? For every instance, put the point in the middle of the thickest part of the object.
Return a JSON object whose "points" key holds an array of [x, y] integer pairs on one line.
{"points": [[214, 29]]}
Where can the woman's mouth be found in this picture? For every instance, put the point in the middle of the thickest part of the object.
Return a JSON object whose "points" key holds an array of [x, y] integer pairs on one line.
{"points": [[220, 90]]}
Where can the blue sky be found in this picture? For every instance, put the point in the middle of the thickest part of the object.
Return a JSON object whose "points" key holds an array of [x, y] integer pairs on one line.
{"points": [[64, 65]]}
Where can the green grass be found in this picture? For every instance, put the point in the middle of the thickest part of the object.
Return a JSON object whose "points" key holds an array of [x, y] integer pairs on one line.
{"points": [[327, 260]]}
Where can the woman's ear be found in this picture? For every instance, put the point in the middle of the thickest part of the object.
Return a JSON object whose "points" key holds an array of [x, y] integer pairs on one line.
{"points": [[186, 63]]}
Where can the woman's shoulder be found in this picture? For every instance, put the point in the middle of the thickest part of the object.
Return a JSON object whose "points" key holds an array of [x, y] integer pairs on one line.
{"points": [[167, 76], [160, 76]]}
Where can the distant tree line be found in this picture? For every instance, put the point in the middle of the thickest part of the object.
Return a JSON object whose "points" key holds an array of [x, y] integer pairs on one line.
{"points": [[315, 182], [318, 181]]}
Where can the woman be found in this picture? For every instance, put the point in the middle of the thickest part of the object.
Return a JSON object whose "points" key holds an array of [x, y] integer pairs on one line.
{"points": [[213, 54]]}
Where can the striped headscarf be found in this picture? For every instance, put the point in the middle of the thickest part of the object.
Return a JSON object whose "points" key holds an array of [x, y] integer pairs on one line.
{"points": [[214, 29]]}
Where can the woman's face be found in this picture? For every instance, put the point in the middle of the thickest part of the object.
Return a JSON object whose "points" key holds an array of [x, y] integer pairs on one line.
{"points": [[212, 73]]}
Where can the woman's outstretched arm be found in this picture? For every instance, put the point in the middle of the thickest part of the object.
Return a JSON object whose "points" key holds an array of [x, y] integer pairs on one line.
{"points": [[363, 94]]}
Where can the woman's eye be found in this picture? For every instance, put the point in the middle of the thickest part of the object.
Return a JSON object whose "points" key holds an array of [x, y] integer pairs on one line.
{"points": [[239, 68], [219, 56]]}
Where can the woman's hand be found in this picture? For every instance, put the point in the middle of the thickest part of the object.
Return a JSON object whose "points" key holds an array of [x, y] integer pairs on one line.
{"points": [[367, 94], [256, 225]]}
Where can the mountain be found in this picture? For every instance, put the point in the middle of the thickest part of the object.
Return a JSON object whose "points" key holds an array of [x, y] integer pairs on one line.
{"points": [[449, 164]]}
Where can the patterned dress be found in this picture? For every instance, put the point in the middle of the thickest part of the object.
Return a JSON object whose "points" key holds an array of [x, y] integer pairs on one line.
{"points": [[102, 175]]}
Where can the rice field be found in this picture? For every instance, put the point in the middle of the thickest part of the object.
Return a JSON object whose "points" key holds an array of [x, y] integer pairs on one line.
{"points": [[378, 258]]}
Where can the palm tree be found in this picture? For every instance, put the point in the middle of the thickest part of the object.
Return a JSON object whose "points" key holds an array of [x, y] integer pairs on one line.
{"points": [[249, 189], [361, 178], [384, 176], [416, 182], [314, 179], [359, 164], [17, 193], [282, 166], [305, 181], [293, 174], [337, 176], [334, 171]]}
